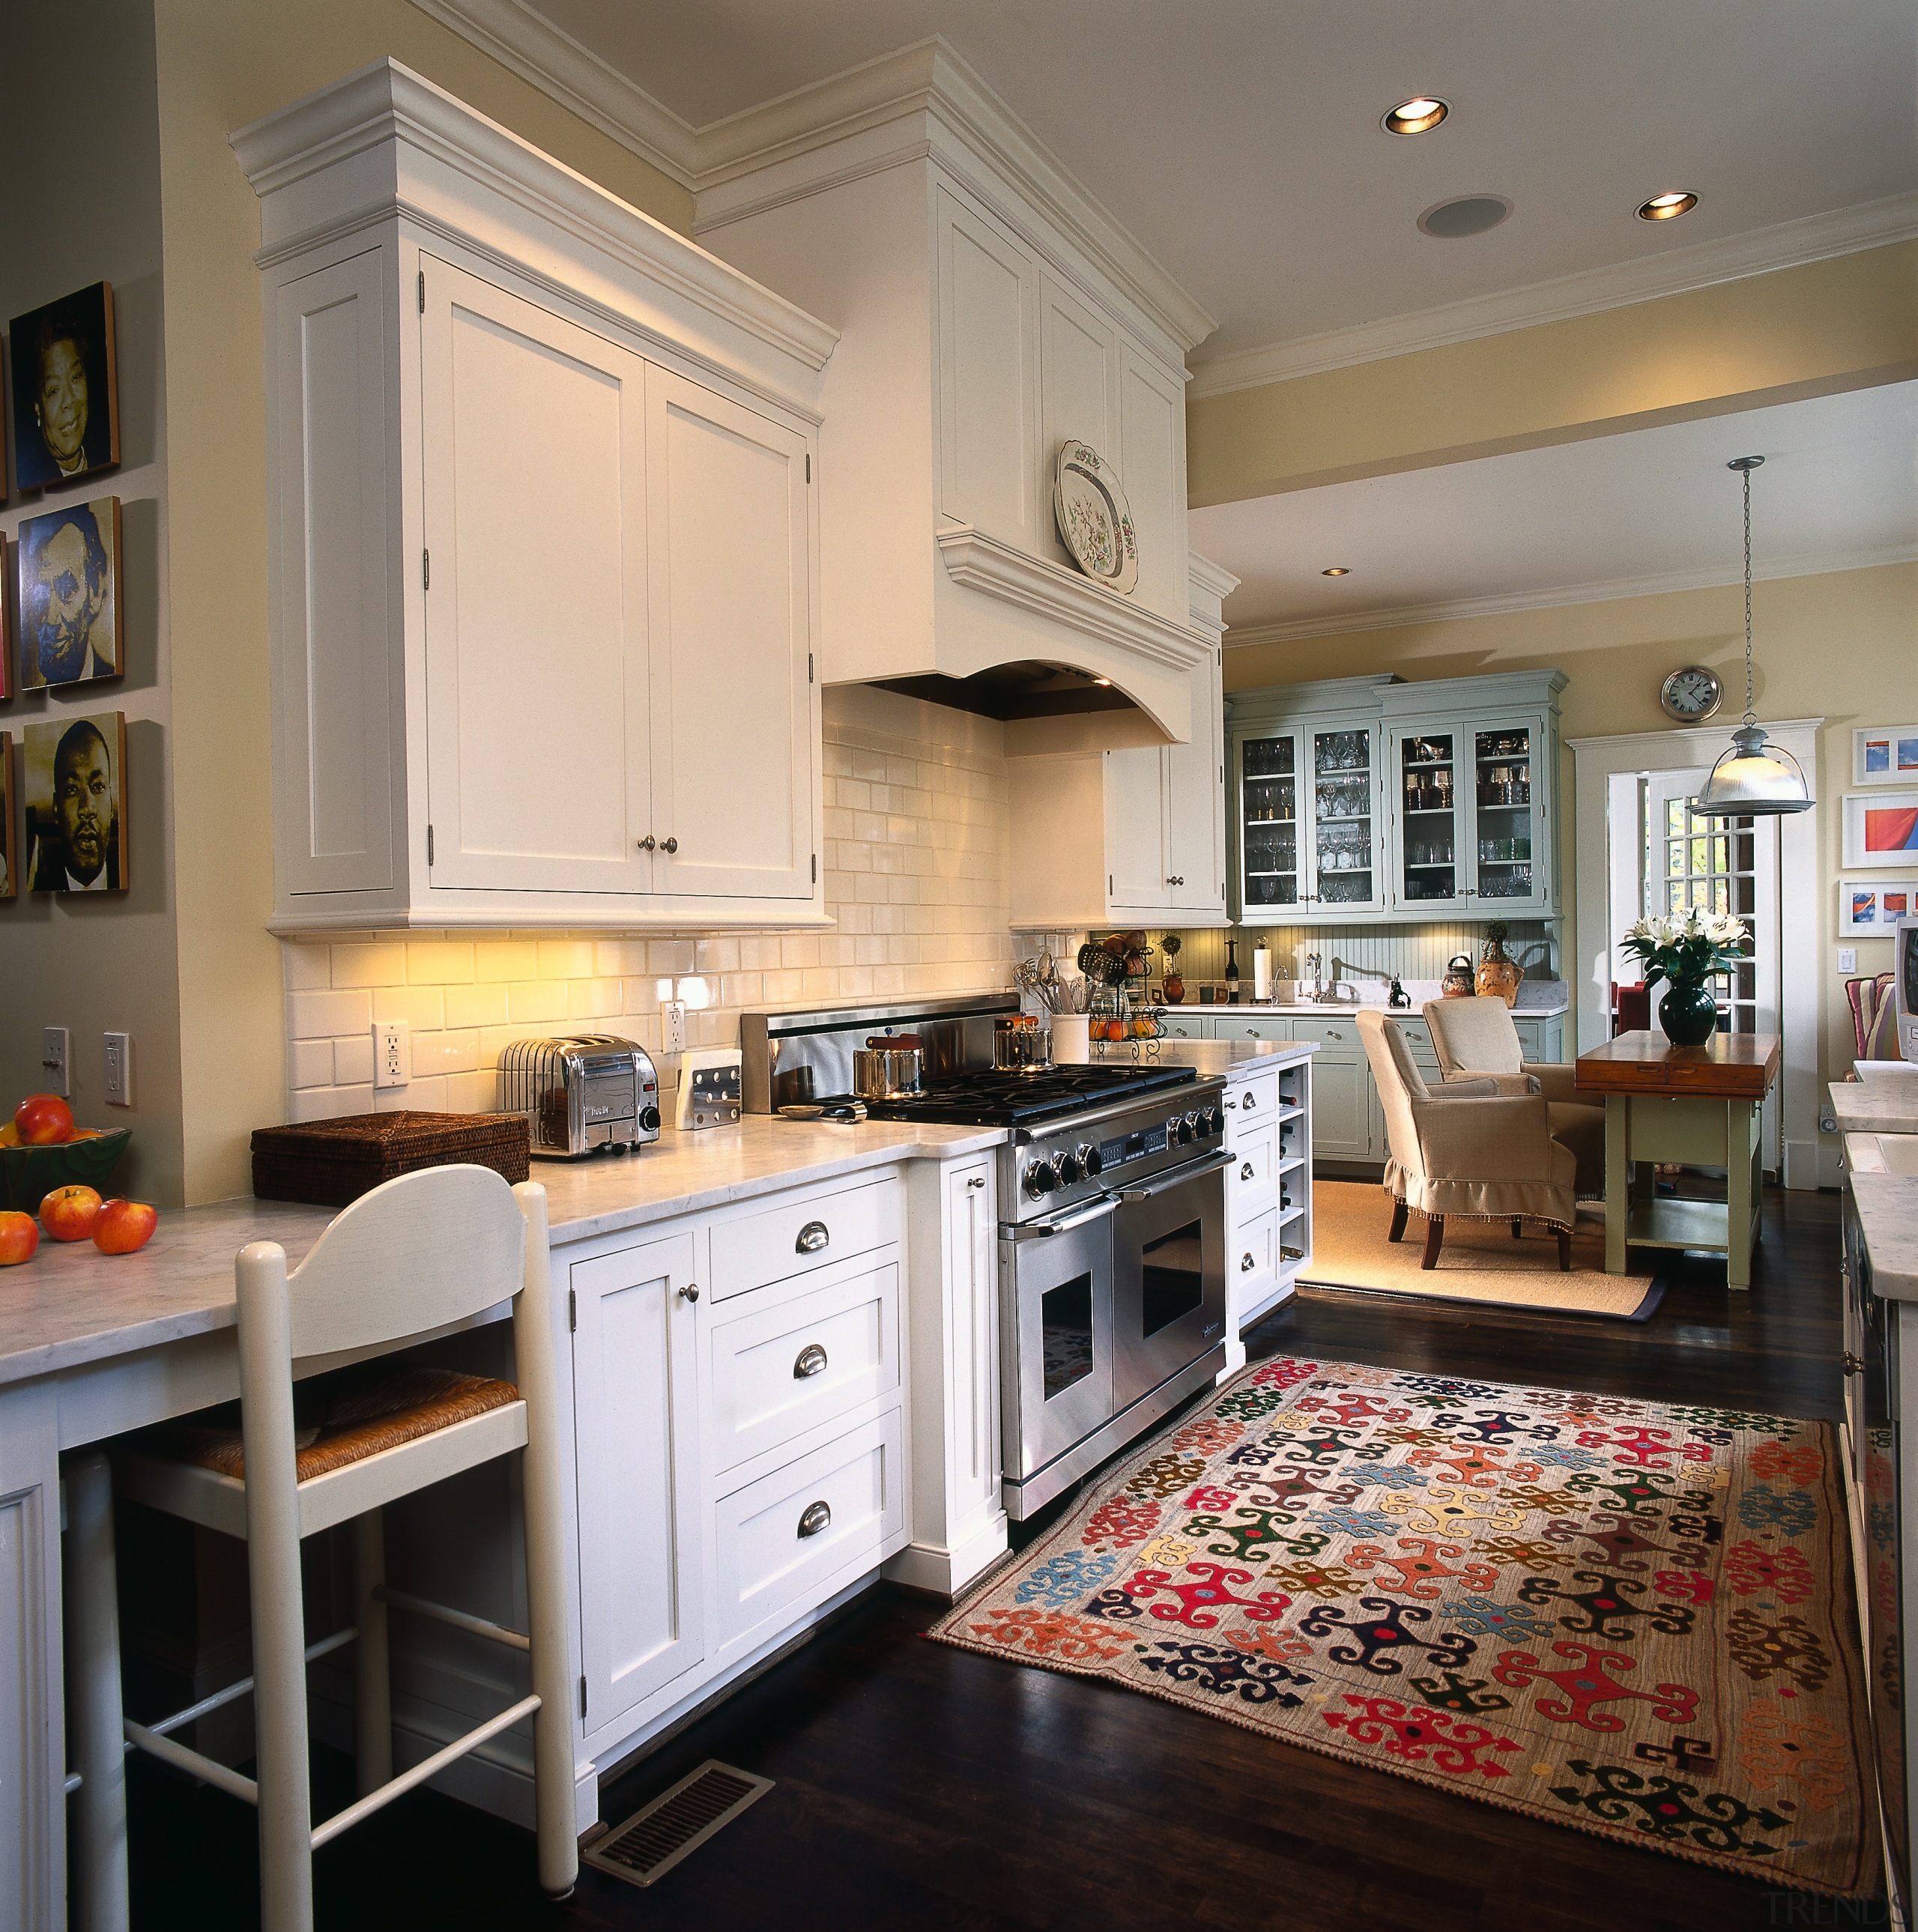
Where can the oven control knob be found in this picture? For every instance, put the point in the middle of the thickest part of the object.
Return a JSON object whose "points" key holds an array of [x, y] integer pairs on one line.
{"points": [[1212, 1121], [1178, 1130], [1092, 1162], [1040, 1179], [1070, 1168]]}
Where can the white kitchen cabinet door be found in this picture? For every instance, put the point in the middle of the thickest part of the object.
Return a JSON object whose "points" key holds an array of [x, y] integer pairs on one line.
{"points": [[1341, 1109], [1194, 779], [1079, 369], [1152, 465], [732, 698], [636, 1436], [971, 1351], [987, 375], [534, 464], [1136, 863]]}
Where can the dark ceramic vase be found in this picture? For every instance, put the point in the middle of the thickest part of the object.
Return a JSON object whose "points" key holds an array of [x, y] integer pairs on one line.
{"points": [[1688, 1013]]}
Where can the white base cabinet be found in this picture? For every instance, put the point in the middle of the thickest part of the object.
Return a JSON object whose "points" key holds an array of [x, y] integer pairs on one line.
{"points": [[543, 545], [1268, 1194]]}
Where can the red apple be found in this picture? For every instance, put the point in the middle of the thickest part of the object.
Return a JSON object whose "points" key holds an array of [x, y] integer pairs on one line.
{"points": [[44, 1120], [121, 1226], [68, 1213], [19, 1237]]}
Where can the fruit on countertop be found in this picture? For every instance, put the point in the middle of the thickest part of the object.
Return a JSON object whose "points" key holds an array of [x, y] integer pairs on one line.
{"points": [[44, 1119], [68, 1213], [121, 1226], [19, 1238], [10, 1135]]}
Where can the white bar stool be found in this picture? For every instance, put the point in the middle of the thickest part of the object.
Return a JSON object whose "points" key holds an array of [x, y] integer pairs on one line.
{"points": [[416, 1255]]}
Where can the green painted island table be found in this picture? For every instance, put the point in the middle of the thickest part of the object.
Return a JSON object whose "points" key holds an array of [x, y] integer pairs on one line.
{"points": [[1698, 1106]]}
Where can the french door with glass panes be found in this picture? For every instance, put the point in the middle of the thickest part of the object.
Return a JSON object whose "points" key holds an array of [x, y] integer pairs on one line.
{"points": [[1719, 866], [1469, 822], [1311, 842]]}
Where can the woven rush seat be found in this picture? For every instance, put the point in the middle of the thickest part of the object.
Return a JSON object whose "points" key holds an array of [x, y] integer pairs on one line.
{"points": [[357, 1421]]}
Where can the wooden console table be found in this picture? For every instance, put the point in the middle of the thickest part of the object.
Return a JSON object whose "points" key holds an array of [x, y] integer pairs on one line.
{"points": [[1699, 1106]]}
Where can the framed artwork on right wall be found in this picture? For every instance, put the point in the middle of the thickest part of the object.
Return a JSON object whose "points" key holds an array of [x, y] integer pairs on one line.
{"points": [[1880, 828], [1869, 908], [1885, 754]]}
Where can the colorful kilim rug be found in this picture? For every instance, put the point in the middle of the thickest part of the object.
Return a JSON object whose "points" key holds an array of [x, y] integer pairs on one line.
{"points": [[1630, 1617]]}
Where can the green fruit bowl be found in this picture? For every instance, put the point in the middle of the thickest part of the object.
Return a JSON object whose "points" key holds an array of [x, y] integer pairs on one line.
{"points": [[28, 1175]]}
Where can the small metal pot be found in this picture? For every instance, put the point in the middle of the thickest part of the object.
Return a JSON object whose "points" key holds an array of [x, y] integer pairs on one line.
{"points": [[884, 1073]]}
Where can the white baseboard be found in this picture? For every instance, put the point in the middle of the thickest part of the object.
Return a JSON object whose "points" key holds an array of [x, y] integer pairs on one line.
{"points": [[946, 1573]]}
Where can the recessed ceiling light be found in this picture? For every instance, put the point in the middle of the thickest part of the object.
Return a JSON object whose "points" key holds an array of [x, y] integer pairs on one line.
{"points": [[1336, 570], [1666, 207], [1464, 214], [1419, 115]]}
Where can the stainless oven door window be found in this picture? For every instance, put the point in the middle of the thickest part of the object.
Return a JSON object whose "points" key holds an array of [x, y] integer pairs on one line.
{"points": [[1168, 1262], [1062, 1365]]}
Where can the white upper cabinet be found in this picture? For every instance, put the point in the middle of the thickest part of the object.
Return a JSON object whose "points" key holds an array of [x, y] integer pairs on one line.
{"points": [[1151, 460], [1079, 388], [543, 544]]}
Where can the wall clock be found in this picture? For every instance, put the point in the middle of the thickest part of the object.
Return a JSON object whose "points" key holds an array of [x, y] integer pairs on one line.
{"points": [[1692, 695]]}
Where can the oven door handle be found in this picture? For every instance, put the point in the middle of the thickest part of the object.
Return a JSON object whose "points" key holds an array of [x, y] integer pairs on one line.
{"points": [[1211, 1164], [1037, 1230]]}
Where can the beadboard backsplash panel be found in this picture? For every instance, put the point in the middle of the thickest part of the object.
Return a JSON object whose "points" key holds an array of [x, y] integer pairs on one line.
{"points": [[917, 853], [1360, 952]]}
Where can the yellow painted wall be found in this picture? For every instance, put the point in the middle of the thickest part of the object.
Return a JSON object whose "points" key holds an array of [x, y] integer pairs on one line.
{"points": [[1829, 326], [220, 65], [1843, 647]]}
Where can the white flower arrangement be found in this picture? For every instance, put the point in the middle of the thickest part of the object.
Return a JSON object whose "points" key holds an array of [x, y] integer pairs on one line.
{"points": [[1687, 946]]}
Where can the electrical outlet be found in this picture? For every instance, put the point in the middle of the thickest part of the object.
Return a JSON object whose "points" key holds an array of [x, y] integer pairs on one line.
{"points": [[672, 1024], [392, 1053], [53, 1060], [1847, 959], [119, 1070]]}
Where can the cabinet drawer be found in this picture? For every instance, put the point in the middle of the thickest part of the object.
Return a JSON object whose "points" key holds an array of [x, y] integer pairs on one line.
{"points": [[1252, 1182], [1255, 1253], [773, 1373], [1334, 1038], [775, 1545], [1531, 1038], [801, 1234], [1250, 1026], [1258, 1102], [1187, 1026], [1418, 1037]]}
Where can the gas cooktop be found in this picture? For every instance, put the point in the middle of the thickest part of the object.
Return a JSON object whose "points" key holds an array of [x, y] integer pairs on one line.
{"points": [[1027, 1100]]}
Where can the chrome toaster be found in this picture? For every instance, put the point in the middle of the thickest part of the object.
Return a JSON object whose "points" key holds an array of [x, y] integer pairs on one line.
{"points": [[580, 1093]]}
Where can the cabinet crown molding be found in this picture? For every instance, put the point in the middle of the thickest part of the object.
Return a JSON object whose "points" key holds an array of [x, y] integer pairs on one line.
{"points": [[387, 105]]}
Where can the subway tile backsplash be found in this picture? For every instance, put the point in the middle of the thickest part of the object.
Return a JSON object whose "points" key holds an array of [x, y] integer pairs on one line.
{"points": [[916, 853]]}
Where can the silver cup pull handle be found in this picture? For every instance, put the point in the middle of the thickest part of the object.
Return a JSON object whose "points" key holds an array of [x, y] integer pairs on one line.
{"points": [[813, 1238], [1245, 1170], [813, 1518], [811, 1362], [1246, 1264]]}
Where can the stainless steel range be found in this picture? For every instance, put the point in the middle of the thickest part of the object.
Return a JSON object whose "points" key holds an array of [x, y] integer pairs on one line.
{"points": [[1112, 1231]]}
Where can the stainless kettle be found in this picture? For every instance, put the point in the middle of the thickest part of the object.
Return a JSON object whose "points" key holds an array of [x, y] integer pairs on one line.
{"points": [[886, 1066]]}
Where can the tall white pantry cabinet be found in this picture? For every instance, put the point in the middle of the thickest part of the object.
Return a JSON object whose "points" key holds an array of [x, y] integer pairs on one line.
{"points": [[544, 546]]}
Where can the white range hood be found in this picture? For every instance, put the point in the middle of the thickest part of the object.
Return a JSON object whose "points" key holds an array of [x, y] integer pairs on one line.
{"points": [[988, 310]]}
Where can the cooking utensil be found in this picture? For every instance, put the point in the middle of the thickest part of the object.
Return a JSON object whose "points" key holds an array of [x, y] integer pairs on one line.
{"points": [[883, 1069]]}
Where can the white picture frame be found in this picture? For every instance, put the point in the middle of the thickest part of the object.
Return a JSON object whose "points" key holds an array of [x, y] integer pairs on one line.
{"points": [[1880, 831], [1869, 908], [1885, 754]]}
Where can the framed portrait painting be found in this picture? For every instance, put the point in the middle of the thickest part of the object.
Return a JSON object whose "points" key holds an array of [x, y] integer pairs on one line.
{"points": [[75, 783], [9, 869], [1869, 908], [69, 601], [1885, 754], [66, 389], [1880, 828]]}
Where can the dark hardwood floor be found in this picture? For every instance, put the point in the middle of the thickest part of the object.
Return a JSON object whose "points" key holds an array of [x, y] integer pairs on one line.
{"points": [[923, 1787]]}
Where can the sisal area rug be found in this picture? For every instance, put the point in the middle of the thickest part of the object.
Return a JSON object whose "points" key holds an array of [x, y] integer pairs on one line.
{"points": [[1629, 1617], [1480, 1262]]}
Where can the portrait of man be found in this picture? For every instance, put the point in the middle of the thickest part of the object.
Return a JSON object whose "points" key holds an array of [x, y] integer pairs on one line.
{"points": [[69, 604], [75, 788], [10, 871], [66, 395]]}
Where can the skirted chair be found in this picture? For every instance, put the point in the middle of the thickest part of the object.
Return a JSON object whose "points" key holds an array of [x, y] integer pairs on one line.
{"points": [[1475, 1039], [1464, 1149]]}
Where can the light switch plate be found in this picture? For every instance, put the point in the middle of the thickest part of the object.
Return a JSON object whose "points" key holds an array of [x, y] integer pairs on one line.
{"points": [[119, 1084], [53, 1060], [1847, 959]]}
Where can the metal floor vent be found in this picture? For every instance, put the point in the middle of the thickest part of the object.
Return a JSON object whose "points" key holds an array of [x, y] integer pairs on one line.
{"points": [[655, 1839]]}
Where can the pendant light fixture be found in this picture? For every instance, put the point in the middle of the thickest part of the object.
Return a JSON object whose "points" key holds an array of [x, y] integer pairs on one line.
{"points": [[1754, 778]]}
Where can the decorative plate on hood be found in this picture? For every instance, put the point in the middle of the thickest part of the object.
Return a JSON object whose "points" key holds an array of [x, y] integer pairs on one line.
{"points": [[1095, 519]]}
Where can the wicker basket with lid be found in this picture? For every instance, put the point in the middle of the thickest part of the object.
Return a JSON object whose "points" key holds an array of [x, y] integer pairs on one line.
{"points": [[329, 1163]]}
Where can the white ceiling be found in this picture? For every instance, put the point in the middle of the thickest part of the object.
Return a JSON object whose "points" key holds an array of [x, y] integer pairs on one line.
{"points": [[1239, 139], [1648, 510]]}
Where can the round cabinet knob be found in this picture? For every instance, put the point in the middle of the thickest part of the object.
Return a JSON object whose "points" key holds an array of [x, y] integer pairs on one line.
{"points": [[1040, 1179], [669, 844], [1069, 1169], [1091, 1162], [690, 1292], [648, 843]]}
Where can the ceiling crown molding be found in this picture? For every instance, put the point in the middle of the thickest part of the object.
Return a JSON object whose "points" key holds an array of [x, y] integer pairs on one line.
{"points": [[548, 58], [1815, 237], [1610, 590]]}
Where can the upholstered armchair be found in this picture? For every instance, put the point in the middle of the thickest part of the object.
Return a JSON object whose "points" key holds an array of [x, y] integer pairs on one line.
{"points": [[1475, 1039], [1464, 1149]]}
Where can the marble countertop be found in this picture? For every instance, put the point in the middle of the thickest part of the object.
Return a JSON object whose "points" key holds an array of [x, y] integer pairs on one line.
{"points": [[1232, 1059], [1553, 998], [1883, 1181], [1874, 1107], [71, 1305]]}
